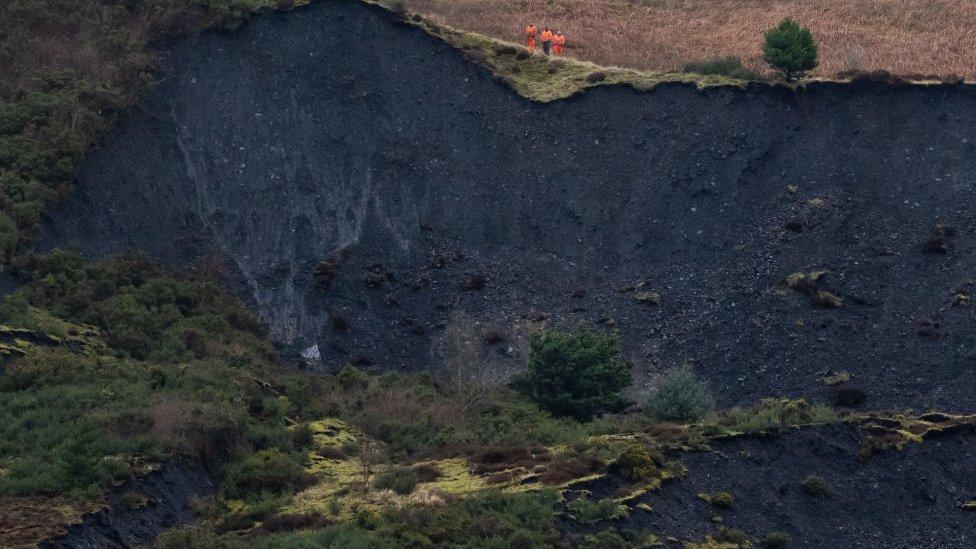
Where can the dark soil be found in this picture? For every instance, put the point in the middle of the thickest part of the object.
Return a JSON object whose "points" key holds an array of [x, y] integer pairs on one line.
{"points": [[336, 125], [140, 510], [896, 499]]}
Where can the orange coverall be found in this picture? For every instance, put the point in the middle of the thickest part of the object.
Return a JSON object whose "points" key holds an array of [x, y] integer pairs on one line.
{"points": [[530, 38], [557, 43], [546, 37]]}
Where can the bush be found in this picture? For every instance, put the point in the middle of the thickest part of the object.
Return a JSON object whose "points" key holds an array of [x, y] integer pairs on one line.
{"points": [[401, 480], [680, 397], [587, 511], [718, 499], [773, 414], [265, 471], [634, 463], [815, 486], [575, 374], [596, 76], [724, 66], [732, 536], [790, 49]]}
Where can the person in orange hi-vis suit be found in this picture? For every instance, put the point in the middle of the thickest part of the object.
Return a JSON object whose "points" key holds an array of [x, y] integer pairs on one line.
{"points": [[546, 37], [530, 31], [557, 43]]}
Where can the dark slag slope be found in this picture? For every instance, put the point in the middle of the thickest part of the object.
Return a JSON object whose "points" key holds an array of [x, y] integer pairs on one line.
{"points": [[336, 125], [897, 499]]}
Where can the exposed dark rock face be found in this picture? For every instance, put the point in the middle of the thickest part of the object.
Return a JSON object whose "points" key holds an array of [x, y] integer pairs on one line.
{"points": [[140, 510], [334, 125], [899, 499]]}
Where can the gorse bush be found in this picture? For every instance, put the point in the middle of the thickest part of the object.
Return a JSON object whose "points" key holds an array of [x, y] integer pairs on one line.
{"points": [[680, 397], [575, 374], [790, 49]]}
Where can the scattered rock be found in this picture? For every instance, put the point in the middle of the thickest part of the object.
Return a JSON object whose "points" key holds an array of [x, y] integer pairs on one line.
{"points": [[795, 225], [939, 239], [325, 272], [926, 327], [376, 275], [476, 281], [536, 316]]}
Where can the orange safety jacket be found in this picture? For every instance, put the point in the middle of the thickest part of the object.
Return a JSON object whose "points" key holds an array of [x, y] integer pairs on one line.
{"points": [[559, 40], [546, 36], [530, 30]]}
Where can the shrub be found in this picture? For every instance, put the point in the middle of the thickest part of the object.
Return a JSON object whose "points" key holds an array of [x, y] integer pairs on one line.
{"points": [[587, 511], [718, 499], [634, 463], [732, 536], [596, 76], [776, 540], [401, 480], [680, 397], [774, 414], [815, 486], [265, 471], [790, 49], [826, 300], [575, 374], [284, 522], [723, 66], [352, 378], [303, 437]]}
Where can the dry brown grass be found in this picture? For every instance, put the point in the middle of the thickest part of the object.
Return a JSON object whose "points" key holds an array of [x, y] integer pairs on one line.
{"points": [[909, 37]]}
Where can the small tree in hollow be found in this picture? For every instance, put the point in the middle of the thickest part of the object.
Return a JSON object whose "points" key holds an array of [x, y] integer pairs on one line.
{"points": [[790, 49]]}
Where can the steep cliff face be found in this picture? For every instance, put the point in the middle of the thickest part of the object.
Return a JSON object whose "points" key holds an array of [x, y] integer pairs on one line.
{"points": [[336, 126]]}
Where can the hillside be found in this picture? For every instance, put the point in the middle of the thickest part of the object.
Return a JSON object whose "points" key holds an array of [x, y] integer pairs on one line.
{"points": [[712, 199], [314, 286]]}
